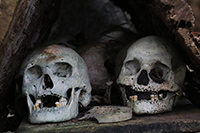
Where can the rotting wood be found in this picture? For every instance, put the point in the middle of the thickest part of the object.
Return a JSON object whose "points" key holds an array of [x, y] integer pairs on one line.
{"points": [[7, 8], [165, 18], [28, 25], [26, 28]]}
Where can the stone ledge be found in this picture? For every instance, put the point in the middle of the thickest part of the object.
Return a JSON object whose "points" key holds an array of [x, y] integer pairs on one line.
{"points": [[184, 118]]}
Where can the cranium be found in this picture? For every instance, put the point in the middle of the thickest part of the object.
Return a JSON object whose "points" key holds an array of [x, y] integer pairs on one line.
{"points": [[55, 81], [150, 75]]}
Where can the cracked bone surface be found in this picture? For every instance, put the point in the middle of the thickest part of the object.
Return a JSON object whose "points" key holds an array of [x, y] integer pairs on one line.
{"points": [[151, 69], [55, 80]]}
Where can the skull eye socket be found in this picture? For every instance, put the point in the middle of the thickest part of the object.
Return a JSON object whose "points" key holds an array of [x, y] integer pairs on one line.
{"points": [[62, 69], [159, 73], [34, 72], [132, 67]]}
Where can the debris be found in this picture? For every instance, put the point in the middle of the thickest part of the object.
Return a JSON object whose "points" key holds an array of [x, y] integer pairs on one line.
{"points": [[108, 114]]}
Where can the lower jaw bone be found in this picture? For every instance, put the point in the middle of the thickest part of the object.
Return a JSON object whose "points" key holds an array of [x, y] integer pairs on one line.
{"points": [[152, 106], [54, 114]]}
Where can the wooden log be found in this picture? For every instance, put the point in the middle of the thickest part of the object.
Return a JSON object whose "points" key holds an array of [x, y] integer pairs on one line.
{"points": [[28, 25], [6, 13], [172, 19], [23, 27]]}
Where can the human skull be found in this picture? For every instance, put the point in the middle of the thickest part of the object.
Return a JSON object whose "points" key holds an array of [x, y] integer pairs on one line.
{"points": [[100, 58], [55, 81], [150, 75]]}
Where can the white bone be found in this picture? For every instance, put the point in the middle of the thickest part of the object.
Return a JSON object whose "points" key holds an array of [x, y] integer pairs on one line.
{"points": [[53, 71], [150, 64]]}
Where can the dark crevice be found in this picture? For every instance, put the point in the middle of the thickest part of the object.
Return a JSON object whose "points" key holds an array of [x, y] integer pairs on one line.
{"points": [[156, 75], [69, 92], [48, 82], [109, 65], [32, 98], [76, 89], [49, 101], [184, 24], [143, 78]]}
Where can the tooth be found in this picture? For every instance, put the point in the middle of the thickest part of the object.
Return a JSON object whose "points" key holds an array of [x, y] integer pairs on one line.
{"points": [[63, 101], [152, 97], [38, 101], [161, 96], [38, 104], [133, 98], [156, 97], [57, 104]]}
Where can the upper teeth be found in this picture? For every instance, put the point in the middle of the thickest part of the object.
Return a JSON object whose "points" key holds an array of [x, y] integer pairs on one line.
{"points": [[62, 102], [38, 104], [153, 97], [156, 97], [133, 98]]}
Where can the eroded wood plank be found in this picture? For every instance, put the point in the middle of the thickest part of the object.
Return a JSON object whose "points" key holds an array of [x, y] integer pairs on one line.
{"points": [[184, 118]]}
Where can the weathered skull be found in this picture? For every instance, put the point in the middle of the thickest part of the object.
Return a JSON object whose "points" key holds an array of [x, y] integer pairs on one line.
{"points": [[150, 75], [55, 81]]}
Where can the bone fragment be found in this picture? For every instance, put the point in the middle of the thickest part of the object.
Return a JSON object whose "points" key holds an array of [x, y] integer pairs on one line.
{"points": [[10, 115], [108, 114]]}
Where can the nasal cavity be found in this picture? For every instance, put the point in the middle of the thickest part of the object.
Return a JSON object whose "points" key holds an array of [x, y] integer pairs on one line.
{"points": [[48, 82], [143, 78]]}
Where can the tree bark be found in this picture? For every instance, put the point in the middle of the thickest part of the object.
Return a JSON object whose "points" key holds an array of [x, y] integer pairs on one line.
{"points": [[25, 28], [6, 13]]}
